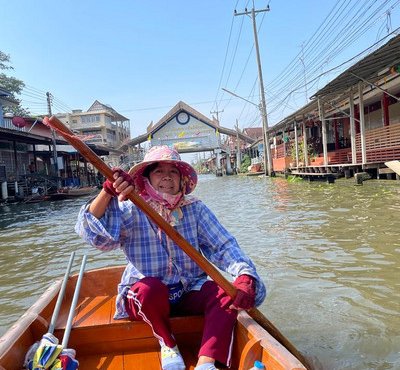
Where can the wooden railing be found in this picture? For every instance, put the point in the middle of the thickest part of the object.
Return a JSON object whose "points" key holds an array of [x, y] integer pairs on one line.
{"points": [[339, 156], [278, 151], [382, 144]]}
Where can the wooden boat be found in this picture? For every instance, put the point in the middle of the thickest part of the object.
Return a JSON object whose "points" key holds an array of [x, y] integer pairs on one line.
{"points": [[104, 343], [65, 193], [36, 199]]}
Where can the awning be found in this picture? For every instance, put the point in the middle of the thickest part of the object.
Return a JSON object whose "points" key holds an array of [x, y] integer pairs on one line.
{"points": [[372, 68]]}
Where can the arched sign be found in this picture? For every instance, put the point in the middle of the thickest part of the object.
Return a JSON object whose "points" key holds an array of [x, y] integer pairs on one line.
{"points": [[186, 133]]}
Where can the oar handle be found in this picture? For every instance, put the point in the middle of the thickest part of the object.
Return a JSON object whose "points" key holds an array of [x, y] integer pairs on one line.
{"points": [[196, 256]]}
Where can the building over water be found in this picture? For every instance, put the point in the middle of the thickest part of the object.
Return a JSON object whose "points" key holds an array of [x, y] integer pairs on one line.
{"points": [[100, 124], [31, 157], [350, 125]]}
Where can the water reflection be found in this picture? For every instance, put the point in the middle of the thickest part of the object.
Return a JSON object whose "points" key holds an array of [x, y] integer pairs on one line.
{"points": [[330, 255]]}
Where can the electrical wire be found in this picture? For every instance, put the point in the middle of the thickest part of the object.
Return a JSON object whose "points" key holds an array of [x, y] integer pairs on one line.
{"points": [[353, 29]]}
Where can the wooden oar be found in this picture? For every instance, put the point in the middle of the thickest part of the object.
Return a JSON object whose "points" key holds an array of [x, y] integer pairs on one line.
{"points": [[196, 256]]}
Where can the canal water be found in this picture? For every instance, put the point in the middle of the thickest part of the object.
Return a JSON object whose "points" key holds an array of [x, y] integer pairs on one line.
{"points": [[329, 254]]}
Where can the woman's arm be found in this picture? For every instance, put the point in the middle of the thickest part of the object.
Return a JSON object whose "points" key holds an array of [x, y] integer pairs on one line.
{"points": [[120, 187], [99, 205]]}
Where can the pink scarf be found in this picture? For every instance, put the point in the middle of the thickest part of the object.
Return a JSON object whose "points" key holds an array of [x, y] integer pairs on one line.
{"points": [[168, 207]]}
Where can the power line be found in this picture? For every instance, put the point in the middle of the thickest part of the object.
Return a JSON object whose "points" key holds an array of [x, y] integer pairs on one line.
{"points": [[355, 26]]}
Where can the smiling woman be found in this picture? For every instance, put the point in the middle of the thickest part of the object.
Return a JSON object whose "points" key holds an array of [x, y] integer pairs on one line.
{"points": [[161, 265], [164, 155], [165, 178]]}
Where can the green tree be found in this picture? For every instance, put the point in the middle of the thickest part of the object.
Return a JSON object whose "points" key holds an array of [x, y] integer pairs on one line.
{"points": [[12, 85], [246, 162], [301, 151]]}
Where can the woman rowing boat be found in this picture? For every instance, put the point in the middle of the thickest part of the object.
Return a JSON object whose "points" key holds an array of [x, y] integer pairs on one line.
{"points": [[160, 280]]}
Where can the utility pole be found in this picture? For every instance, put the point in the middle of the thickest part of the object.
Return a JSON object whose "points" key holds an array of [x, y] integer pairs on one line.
{"points": [[217, 112], [238, 152], [304, 70], [267, 150], [53, 136]]}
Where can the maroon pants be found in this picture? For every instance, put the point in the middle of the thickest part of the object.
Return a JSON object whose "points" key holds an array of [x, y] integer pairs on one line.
{"points": [[147, 300]]}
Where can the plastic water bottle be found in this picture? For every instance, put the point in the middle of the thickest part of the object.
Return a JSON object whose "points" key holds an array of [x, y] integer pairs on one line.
{"points": [[258, 365]]}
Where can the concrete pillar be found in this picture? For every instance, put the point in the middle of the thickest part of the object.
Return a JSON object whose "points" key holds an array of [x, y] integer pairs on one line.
{"points": [[4, 191], [362, 124], [228, 162], [238, 159], [305, 142], [218, 162], [324, 134], [352, 129], [360, 177], [238, 152]]}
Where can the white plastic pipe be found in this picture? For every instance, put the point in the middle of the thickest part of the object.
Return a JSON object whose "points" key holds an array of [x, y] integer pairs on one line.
{"points": [[61, 295], [73, 304]]}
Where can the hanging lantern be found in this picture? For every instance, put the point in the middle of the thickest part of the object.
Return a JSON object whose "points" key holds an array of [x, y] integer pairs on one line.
{"points": [[18, 122]]}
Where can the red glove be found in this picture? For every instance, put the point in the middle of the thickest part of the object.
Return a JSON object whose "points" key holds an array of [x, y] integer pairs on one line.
{"points": [[246, 292], [108, 185], [109, 188]]}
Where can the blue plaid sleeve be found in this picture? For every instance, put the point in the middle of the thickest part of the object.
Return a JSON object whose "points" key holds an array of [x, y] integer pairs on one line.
{"points": [[222, 249], [104, 233]]}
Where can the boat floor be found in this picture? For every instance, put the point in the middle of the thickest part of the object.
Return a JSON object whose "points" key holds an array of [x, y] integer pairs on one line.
{"points": [[132, 360], [104, 343]]}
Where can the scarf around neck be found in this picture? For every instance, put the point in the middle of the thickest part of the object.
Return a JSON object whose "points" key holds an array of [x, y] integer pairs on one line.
{"points": [[167, 206]]}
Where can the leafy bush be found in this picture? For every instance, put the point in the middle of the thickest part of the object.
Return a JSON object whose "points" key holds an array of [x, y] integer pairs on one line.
{"points": [[246, 162], [301, 151]]}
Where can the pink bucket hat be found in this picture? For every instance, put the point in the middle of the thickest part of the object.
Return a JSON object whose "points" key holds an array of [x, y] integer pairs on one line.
{"points": [[165, 154]]}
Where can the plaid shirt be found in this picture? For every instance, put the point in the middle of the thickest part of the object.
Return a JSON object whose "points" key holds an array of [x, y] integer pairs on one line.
{"points": [[149, 253]]}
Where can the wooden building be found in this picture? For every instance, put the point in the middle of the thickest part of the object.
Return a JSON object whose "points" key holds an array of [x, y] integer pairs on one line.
{"points": [[28, 151], [352, 124]]}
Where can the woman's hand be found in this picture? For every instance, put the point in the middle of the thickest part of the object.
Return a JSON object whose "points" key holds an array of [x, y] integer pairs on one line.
{"points": [[122, 185], [246, 293]]}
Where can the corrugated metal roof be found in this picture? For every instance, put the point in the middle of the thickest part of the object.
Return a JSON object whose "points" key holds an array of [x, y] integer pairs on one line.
{"points": [[372, 68]]}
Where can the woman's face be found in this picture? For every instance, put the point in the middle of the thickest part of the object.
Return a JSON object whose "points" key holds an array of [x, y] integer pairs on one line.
{"points": [[165, 178]]}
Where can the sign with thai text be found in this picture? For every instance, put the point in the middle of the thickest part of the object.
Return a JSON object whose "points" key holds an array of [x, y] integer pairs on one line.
{"points": [[186, 135]]}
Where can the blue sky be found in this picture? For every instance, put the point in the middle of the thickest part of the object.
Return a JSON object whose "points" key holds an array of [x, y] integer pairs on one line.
{"points": [[144, 57]]}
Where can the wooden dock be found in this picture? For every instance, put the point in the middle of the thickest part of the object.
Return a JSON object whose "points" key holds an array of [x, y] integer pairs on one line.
{"points": [[319, 176]]}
